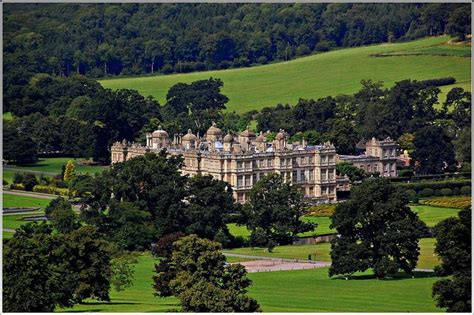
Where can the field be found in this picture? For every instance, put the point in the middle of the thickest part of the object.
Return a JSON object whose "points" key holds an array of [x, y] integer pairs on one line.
{"points": [[320, 75], [54, 165], [298, 291]]}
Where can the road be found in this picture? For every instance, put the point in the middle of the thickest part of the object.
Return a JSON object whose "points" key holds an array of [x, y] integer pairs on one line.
{"points": [[30, 194]]}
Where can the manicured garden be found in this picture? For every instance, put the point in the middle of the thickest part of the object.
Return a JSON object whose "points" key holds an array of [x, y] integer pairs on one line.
{"points": [[432, 215], [298, 291]]}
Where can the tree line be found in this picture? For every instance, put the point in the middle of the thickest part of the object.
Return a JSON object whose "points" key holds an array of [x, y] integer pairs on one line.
{"points": [[98, 40]]}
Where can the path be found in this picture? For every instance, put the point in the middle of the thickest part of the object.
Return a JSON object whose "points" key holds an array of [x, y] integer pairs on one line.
{"points": [[264, 263]]}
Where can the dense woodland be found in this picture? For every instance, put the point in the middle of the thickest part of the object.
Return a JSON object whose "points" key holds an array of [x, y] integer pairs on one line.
{"points": [[98, 40]]}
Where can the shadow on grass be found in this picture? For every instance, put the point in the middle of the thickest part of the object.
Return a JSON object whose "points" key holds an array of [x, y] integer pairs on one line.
{"points": [[398, 276], [107, 303]]}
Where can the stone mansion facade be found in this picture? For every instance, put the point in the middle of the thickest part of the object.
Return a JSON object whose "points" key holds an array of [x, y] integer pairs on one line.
{"points": [[241, 160]]}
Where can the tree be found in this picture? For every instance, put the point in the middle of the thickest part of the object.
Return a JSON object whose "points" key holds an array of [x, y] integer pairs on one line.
{"points": [[65, 268], [462, 146], [433, 150], [275, 209], [210, 201], [18, 147], [148, 194], [204, 282], [354, 173], [70, 171], [201, 101], [453, 246], [59, 212], [459, 22], [375, 229]]}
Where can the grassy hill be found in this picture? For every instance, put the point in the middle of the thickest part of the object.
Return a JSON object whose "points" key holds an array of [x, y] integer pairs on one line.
{"points": [[331, 73]]}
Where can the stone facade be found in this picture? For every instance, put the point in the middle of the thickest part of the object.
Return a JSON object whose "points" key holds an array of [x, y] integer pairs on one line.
{"points": [[241, 160], [380, 156]]}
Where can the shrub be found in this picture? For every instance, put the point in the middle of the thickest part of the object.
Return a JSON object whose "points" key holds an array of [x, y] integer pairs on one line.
{"points": [[17, 186], [17, 178], [412, 196], [405, 173], [466, 190], [456, 191], [438, 193], [29, 181], [426, 192], [446, 192], [51, 190]]}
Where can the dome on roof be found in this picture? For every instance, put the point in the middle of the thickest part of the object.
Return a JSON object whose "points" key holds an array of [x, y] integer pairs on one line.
{"points": [[280, 135], [228, 138], [247, 133], [260, 138], [213, 130], [189, 136], [160, 133]]}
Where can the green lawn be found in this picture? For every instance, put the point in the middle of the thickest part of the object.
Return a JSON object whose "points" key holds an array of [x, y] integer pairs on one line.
{"points": [[322, 252], [432, 215], [288, 291], [319, 75], [15, 221], [138, 298], [23, 201], [54, 165], [313, 291]]}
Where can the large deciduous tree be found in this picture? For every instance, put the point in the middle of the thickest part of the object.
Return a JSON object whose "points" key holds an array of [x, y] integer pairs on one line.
{"points": [[274, 211], [375, 229], [433, 150], [43, 270], [453, 246], [202, 280]]}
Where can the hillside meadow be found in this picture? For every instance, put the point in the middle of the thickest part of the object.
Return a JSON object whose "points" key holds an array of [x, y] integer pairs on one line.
{"points": [[331, 73]]}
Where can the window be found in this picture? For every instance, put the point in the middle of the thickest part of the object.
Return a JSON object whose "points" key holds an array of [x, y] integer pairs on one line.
{"points": [[295, 176], [331, 158], [368, 168], [262, 163], [303, 176], [247, 181], [323, 176], [254, 178], [240, 182], [323, 159], [331, 174], [269, 162], [240, 197], [240, 165], [294, 161], [311, 191], [248, 165], [311, 174], [310, 160]]}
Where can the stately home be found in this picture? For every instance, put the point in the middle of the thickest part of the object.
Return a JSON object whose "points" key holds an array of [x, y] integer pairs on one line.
{"points": [[380, 156], [241, 160]]}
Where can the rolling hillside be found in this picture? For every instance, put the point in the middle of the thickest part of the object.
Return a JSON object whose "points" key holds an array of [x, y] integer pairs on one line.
{"points": [[331, 73]]}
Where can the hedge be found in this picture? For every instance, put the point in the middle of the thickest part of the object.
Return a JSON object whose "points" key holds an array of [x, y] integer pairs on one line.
{"points": [[51, 190], [465, 190], [426, 192], [439, 82], [17, 186], [419, 186]]}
